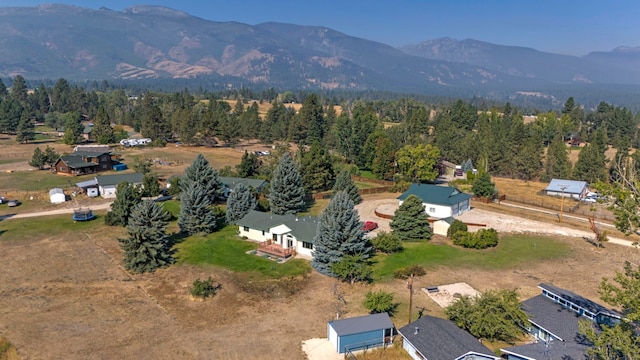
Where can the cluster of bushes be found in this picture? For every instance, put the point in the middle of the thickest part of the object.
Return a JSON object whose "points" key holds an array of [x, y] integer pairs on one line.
{"points": [[204, 288], [400, 186], [484, 238], [407, 272], [387, 243]]}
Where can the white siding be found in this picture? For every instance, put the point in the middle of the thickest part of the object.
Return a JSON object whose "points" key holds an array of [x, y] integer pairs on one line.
{"points": [[255, 235], [408, 347], [303, 251], [108, 191], [440, 227], [437, 211], [333, 338], [57, 198]]}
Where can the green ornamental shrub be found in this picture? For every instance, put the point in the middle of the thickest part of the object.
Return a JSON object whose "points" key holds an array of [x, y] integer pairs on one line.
{"points": [[456, 226], [484, 238], [387, 243], [203, 288], [406, 272]]}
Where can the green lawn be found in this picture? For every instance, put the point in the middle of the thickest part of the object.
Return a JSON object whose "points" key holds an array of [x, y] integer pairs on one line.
{"points": [[225, 249], [38, 180], [512, 250]]}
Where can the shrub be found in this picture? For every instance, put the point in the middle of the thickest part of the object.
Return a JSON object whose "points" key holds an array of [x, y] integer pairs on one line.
{"points": [[471, 177], [380, 302], [400, 186], [203, 288], [387, 243], [483, 239], [406, 272], [456, 226]]}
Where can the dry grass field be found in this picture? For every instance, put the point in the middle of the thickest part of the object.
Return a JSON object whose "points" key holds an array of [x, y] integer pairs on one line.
{"points": [[265, 106]]}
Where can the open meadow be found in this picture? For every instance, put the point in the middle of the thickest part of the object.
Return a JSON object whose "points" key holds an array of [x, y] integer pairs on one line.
{"points": [[65, 294]]}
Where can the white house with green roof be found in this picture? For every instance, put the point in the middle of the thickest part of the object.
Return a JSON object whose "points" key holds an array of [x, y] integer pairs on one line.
{"points": [[282, 235], [439, 201], [108, 184]]}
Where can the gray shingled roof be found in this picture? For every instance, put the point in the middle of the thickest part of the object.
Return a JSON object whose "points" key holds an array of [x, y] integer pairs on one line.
{"points": [[108, 180], [580, 301], [231, 182], [434, 194], [76, 162], [304, 228], [559, 321], [441, 339], [361, 324]]}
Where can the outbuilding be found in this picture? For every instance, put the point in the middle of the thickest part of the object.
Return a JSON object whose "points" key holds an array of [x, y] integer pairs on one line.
{"points": [[439, 201], [57, 196], [567, 188], [358, 333], [108, 183]]}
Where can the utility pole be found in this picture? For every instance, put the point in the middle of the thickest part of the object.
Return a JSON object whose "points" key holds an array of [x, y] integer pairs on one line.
{"points": [[410, 287], [563, 187]]}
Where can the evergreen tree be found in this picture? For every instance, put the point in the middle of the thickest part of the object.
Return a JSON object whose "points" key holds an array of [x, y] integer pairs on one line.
{"points": [[207, 177], [316, 169], [72, 129], [196, 216], [557, 165], [483, 187], [383, 166], [38, 159], [409, 222], [50, 156], [127, 197], [339, 234], [590, 166], [286, 195], [345, 183], [311, 114], [102, 130], [25, 131], [249, 165], [147, 246], [239, 203], [150, 185]]}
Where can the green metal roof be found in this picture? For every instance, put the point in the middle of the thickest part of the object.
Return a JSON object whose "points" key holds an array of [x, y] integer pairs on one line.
{"points": [[304, 228], [108, 180], [231, 182], [433, 194]]}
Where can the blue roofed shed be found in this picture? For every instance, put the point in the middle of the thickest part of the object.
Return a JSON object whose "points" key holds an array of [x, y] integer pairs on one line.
{"points": [[358, 333], [568, 188]]}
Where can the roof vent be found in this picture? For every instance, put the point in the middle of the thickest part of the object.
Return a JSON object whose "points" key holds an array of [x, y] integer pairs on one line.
{"points": [[296, 218], [416, 331]]}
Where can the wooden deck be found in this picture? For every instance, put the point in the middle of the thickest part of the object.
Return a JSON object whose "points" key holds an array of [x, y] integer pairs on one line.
{"points": [[275, 250]]}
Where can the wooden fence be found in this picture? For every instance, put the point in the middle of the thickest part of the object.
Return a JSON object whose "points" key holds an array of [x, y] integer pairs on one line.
{"points": [[372, 181], [569, 206], [367, 191]]}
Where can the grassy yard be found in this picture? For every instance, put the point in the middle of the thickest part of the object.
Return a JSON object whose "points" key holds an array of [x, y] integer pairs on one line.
{"points": [[225, 249], [59, 226], [41, 180], [512, 250]]}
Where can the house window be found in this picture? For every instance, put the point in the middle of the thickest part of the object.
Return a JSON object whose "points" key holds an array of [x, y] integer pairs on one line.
{"points": [[307, 245], [432, 209], [104, 166], [246, 228], [62, 168]]}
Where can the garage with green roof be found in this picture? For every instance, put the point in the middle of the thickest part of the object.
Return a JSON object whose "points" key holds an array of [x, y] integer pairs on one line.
{"points": [[439, 201]]}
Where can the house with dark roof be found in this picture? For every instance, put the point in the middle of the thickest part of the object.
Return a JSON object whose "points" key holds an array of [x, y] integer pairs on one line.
{"points": [[362, 332], [231, 182], [280, 235], [439, 201], [107, 184], [554, 317], [84, 162], [567, 188], [434, 338]]}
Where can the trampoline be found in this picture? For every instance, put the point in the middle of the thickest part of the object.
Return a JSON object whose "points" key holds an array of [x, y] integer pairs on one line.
{"points": [[83, 214]]}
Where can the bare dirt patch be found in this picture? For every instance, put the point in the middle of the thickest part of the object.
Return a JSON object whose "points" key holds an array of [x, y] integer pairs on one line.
{"points": [[447, 294]]}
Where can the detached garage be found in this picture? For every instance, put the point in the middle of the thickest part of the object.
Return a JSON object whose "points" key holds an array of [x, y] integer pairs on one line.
{"points": [[439, 201], [363, 332], [56, 196]]}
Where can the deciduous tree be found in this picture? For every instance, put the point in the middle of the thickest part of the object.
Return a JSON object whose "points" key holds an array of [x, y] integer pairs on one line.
{"points": [[418, 162]]}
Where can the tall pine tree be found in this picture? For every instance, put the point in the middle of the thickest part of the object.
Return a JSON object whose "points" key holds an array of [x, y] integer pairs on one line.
{"points": [[345, 183], [409, 222], [239, 203], [25, 131], [317, 169], [102, 131], [127, 197], [196, 216], [339, 234], [286, 195], [147, 246], [557, 164], [207, 177]]}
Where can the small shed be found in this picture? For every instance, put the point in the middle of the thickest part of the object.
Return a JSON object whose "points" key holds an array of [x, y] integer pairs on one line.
{"points": [[358, 333], [57, 196], [567, 188], [441, 226]]}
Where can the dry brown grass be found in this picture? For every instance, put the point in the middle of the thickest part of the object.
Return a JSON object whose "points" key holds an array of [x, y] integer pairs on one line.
{"points": [[265, 106], [7, 350], [528, 191]]}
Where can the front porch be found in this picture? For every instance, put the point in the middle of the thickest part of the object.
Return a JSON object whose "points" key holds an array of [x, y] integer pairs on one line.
{"points": [[269, 248]]}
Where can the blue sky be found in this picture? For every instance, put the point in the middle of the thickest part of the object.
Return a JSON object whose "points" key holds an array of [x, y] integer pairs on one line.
{"points": [[571, 27]]}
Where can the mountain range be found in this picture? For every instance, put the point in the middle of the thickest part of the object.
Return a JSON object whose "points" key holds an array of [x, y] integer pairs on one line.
{"points": [[151, 42]]}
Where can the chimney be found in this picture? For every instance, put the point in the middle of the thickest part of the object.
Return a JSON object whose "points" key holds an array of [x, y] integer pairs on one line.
{"points": [[415, 332]]}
